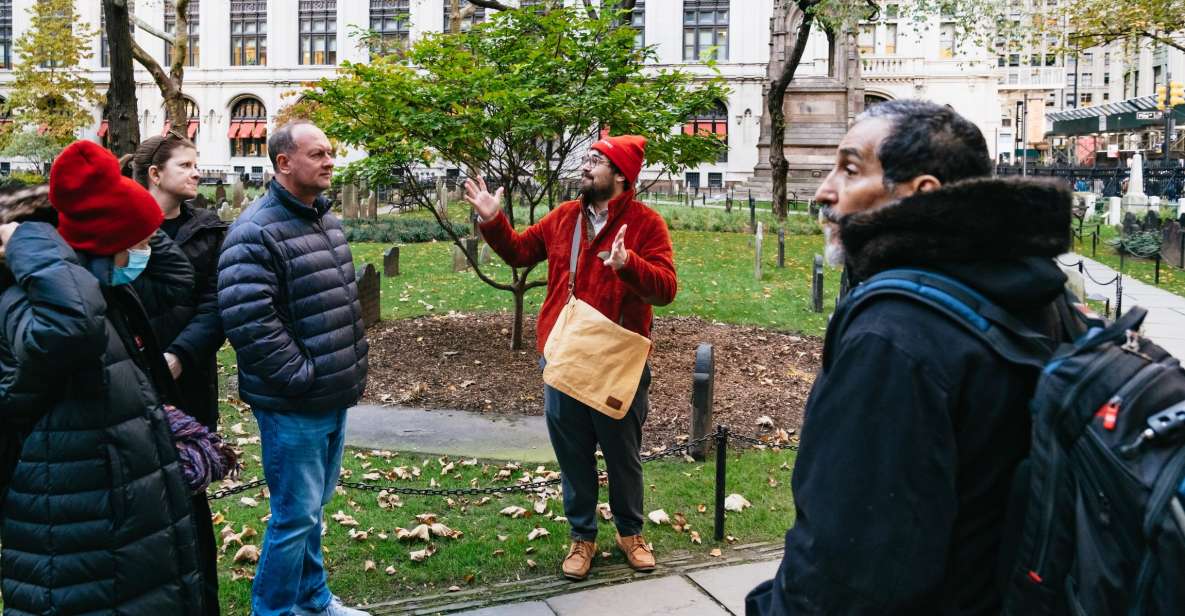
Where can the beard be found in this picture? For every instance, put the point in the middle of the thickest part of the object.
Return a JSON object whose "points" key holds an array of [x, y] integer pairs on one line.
{"points": [[833, 252], [591, 192]]}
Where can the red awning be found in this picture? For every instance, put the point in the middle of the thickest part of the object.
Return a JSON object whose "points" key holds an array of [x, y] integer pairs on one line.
{"points": [[103, 127], [233, 131], [260, 130], [689, 129], [164, 131], [722, 129], [245, 129], [191, 129]]}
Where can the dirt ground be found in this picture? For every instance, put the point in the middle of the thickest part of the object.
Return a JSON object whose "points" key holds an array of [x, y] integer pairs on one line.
{"points": [[464, 361]]}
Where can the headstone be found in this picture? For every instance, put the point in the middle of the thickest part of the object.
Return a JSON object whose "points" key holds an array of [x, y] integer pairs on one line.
{"points": [[817, 285], [460, 261], [1154, 204], [349, 201], [238, 194], [227, 213], [1172, 244], [1114, 211], [1131, 224], [442, 197], [1075, 282], [487, 255], [752, 211], [702, 397], [372, 206], [757, 258], [1135, 201], [368, 295], [220, 193], [391, 262], [1151, 221], [1090, 199]]}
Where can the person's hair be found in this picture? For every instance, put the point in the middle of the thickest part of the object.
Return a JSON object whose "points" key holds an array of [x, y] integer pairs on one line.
{"points": [[626, 184], [153, 152], [282, 141], [928, 139]]}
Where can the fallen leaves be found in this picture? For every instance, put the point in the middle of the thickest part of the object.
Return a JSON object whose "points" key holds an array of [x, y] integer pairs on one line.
{"points": [[514, 511], [422, 555], [247, 554], [695, 538], [736, 502], [345, 520], [715, 553], [369, 566], [659, 516], [605, 511], [537, 533], [388, 500], [247, 501]]}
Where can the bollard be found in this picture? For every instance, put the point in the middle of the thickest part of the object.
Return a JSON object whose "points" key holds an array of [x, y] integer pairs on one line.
{"points": [[752, 212], [702, 395], [721, 464], [817, 285], [781, 247], [1081, 266], [1156, 272], [757, 240], [1094, 242], [1118, 295]]}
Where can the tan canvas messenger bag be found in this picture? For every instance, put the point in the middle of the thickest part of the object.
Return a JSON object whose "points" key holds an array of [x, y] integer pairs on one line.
{"points": [[591, 358]]}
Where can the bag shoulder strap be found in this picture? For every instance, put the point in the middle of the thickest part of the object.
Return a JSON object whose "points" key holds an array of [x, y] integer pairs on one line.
{"points": [[1004, 333], [572, 261]]}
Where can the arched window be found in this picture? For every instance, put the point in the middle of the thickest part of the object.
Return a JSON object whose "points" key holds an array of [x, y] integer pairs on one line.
{"points": [[191, 128], [248, 128], [713, 122]]}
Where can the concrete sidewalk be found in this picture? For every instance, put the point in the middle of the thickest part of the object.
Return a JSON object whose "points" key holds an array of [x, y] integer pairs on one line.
{"points": [[1165, 323]]}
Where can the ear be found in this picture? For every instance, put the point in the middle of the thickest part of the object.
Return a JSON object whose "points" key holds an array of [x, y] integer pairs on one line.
{"points": [[923, 184], [153, 175], [281, 163]]}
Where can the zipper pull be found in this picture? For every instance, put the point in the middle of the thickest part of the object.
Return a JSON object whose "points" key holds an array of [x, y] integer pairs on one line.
{"points": [[1110, 412]]}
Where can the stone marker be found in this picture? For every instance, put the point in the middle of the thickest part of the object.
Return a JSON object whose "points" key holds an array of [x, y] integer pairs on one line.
{"points": [[460, 262], [1135, 200], [226, 212], [1114, 211], [391, 262], [1075, 281], [702, 395], [372, 206], [487, 255], [1090, 200], [349, 201], [220, 193], [817, 285], [781, 247], [757, 258], [442, 197], [238, 194], [1172, 244], [368, 295], [1154, 204]]}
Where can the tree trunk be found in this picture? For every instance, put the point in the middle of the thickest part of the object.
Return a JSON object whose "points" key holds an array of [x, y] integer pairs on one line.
{"points": [[123, 127], [516, 330], [798, 27], [170, 83]]}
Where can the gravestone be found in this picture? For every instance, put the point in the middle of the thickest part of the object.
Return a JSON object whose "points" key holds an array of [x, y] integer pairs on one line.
{"points": [[1090, 199], [702, 397], [368, 295], [1131, 224], [227, 213], [391, 262], [1135, 200], [1114, 211], [349, 201], [1154, 204], [781, 247], [757, 255], [219, 193], [487, 255], [460, 262], [1151, 221], [817, 285], [442, 197], [372, 206], [1172, 245], [238, 194]]}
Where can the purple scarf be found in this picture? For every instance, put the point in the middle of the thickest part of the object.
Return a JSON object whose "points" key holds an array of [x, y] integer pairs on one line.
{"points": [[203, 456]]}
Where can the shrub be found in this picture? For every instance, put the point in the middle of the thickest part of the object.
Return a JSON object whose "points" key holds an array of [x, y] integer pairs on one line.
{"points": [[398, 230]]}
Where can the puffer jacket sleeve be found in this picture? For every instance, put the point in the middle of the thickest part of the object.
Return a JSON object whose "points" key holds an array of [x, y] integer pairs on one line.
{"points": [[248, 289], [54, 316], [202, 336], [168, 279]]}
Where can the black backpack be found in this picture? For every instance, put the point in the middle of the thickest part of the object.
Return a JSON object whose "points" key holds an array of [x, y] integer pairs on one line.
{"points": [[1097, 517]]}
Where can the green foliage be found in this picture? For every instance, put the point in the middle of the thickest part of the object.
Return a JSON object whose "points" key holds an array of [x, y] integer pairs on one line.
{"points": [[49, 90], [515, 98], [398, 230], [1142, 244], [35, 147], [683, 218]]}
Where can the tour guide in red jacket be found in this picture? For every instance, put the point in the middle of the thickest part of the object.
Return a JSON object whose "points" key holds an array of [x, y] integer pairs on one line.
{"points": [[625, 266]]}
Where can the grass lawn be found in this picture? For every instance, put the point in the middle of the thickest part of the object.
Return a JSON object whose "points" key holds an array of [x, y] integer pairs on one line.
{"points": [[716, 281], [1171, 278], [494, 547]]}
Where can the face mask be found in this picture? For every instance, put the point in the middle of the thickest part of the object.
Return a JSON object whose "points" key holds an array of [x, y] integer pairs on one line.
{"points": [[137, 261]]}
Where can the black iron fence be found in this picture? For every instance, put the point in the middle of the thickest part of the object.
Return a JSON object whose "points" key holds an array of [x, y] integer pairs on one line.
{"points": [[1166, 180]]}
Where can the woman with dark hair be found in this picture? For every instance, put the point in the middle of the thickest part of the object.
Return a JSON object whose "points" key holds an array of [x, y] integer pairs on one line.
{"points": [[189, 332], [96, 517]]}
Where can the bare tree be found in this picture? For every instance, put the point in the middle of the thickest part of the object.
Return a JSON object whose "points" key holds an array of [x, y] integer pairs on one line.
{"points": [[123, 127], [170, 82]]}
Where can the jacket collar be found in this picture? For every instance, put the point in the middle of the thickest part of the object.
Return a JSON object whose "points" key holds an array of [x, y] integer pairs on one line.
{"points": [[983, 219], [317, 210], [199, 220], [617, 206]]}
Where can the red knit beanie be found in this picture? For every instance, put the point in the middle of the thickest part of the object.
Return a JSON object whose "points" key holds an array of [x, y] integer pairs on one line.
{"points": [[626, 152], [99, 210]]}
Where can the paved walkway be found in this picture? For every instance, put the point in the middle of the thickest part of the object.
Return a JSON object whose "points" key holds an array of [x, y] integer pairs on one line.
{"points": [[1165, 323]]}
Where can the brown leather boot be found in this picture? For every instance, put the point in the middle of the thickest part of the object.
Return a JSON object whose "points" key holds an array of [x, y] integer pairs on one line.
{"points": [[579, 559], [637, 552]]}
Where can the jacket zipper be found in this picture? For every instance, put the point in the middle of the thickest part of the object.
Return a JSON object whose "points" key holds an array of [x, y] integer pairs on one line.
{"points": [[1051, 489]]}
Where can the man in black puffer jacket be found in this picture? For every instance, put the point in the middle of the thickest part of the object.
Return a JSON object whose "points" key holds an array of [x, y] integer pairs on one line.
{"points": [[289, 303], [97, 517], [915, 427]]}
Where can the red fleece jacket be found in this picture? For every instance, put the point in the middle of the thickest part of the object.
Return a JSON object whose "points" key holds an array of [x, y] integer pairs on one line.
{"points": [[625, 296]]}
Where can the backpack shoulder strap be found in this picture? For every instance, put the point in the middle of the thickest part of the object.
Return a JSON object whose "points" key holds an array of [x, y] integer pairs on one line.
{"points": [[1004, 333]]}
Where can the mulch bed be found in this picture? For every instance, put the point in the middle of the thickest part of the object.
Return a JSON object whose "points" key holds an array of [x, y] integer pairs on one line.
{"points": [[464, 361]]}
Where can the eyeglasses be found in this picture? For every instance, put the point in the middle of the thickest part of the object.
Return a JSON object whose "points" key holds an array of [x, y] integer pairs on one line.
{"points": [[593, 160]]}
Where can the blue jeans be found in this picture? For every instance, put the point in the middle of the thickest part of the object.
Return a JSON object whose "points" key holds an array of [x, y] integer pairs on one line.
{"points": [[302, 454]]}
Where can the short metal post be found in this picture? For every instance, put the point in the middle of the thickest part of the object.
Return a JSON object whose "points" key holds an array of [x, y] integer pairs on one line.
{"points": [[1094, 242], [721, 464], [752, 212], [782, 247], [1118, 295], [1081, 266], [1156, 272]]}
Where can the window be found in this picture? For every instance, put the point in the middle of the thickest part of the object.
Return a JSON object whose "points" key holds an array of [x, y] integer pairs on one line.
{"points": [[1035, 60], [716, 180], [638, 23], [318, 31], [1106, 96], [866, 39], [946, 41], [1107, 58], [891, 39], [1085, 98], [1088, 58], [389, 21], [477, 17], [1005, 122], [1013, 59], [191, 14], [193, 118], [1001, 60], [714, 122], [104, 52], [1071, 78], [248, 128], [1087, 80], [692, 180], [248, 33], [1050, 59], [705, 29], [1106, 79], [5, 33]]}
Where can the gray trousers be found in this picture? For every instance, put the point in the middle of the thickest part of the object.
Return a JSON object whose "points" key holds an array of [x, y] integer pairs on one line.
{"points": [[576, 430]]}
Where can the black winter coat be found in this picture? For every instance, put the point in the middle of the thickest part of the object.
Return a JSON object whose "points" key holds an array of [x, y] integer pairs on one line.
{"points": [[289, 302], [97, 517], [914, 427], [191, 329]]}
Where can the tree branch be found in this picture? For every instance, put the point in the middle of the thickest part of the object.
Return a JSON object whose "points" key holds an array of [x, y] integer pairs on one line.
{"points": [[590, 9], [148, 62], [143, 25], [490, 4]]}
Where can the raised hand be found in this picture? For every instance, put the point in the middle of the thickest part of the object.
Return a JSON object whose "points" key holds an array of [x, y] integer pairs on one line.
{"points": [[6, 231], [618, 256], [487, 205]]}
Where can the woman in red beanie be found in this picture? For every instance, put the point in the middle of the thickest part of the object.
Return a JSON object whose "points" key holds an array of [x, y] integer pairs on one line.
{"points": [[97, 517]]}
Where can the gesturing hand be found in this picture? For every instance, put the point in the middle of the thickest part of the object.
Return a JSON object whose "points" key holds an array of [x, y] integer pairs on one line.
{"points": [[174, 363], [6, 231], [487, 205], [618, 256]]}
